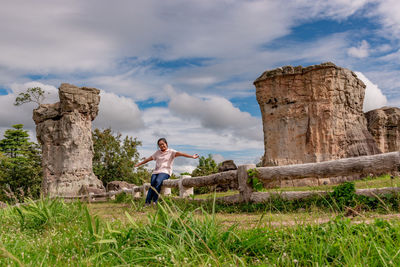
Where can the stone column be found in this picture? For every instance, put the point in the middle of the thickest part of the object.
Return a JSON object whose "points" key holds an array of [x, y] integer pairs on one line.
{"points": [[384, 125], [64, 130], [312, 114]]}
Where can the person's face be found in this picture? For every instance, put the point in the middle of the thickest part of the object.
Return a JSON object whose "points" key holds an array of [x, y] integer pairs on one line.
{"points": [[162, 145]]}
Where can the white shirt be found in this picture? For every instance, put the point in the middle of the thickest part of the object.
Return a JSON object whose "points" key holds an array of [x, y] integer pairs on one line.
{"points": [[164, 161]]}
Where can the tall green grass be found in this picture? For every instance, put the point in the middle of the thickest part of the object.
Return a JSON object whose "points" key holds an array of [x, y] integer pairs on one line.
{"points": [[60, 234]]}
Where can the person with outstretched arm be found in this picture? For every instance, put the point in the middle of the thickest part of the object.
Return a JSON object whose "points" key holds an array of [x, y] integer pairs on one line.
{"points": [[164, 158]]}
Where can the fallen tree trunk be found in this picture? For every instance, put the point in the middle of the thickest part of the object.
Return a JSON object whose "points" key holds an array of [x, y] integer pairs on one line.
{"points": [[213, 179], [259, 197], [366, 165], [171, 183]]}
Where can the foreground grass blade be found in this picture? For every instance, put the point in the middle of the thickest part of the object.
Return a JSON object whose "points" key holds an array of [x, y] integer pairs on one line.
{"points": [[6, 254]]}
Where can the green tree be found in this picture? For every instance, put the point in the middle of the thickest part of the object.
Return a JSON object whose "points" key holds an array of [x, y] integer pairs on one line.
{"points": [[15, 142], [206, 166], [2, 173], [115, 157], [20, 164], [34, 94]]}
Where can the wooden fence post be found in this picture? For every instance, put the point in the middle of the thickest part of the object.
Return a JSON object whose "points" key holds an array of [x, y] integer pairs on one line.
{"points": [[165, 191], [135, 192], [183, 190], [245, 188]]}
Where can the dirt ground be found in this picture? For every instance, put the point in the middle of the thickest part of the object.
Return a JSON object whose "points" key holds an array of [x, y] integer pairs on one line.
{"points": [[116, 211]]}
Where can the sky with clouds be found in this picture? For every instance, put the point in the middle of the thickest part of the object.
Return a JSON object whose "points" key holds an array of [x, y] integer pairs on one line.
{"points": [[183, 69]]}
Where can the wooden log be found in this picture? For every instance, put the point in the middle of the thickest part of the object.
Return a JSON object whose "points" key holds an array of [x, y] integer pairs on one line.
{"points": [[213, 179], [373, 192], [127, 190], [229, 199], [171, 183], [343, 167], [259, 197]]}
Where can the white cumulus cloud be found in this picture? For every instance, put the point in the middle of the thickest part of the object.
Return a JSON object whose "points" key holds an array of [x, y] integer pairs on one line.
{"points": [[118, 112], [361, 51], [388, 11], [189, 136], [215, 113], [10, 114], [374, 98]]}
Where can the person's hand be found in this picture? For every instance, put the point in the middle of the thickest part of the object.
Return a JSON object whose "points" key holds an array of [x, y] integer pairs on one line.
{"points": [[195, 156]]}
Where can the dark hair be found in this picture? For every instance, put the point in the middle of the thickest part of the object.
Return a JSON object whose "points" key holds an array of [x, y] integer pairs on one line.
{"points": [[162, 139]]}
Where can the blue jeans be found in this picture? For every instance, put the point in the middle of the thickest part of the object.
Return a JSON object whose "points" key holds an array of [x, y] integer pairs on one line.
{"points": [[156, 182]]}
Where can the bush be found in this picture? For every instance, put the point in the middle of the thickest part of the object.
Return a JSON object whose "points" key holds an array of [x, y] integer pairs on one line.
{"points": [[344, 195], [38, 214]]}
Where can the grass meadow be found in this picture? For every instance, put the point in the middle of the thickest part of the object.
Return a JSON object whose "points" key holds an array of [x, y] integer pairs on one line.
{"points": [[182, 233]]}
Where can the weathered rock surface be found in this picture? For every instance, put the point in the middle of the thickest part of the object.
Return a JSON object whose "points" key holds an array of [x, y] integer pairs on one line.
{"points": [[64, 131], [227, 165], [86, 190], [118, 185], [312, 114], [384, 125]]}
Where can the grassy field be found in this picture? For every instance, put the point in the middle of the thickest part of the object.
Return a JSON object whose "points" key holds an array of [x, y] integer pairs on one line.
{"points": [[312, 232], [53, 233]]}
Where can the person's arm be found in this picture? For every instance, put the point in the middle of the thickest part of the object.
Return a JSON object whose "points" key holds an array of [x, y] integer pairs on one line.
{"points": [[144, 161], [180, 154]]}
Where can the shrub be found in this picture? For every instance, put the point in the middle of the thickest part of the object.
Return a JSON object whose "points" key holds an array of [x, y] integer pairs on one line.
{"points": [[344, 195]]}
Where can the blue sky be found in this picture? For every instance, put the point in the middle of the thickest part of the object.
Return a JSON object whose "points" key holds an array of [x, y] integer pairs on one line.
{"points": [[184, 69]]}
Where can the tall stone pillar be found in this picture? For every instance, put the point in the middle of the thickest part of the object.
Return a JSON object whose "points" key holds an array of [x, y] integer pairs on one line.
{"points": [[64, 130], [384, 125], [312, 114]]}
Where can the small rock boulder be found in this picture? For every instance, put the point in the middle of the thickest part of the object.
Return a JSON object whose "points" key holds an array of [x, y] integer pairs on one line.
{"points": [[227, 165]]}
